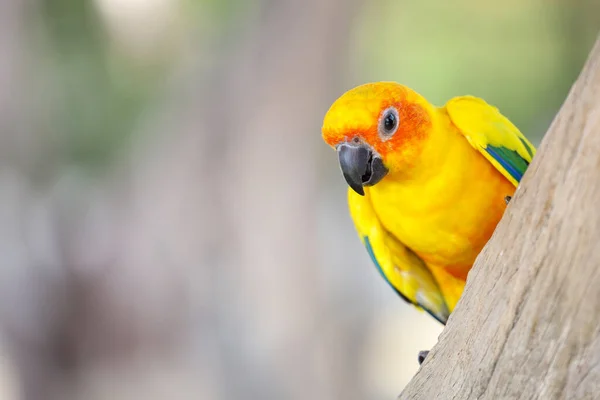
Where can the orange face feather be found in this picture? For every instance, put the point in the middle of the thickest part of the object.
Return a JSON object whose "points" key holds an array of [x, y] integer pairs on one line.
{"points": [[357, 114]]}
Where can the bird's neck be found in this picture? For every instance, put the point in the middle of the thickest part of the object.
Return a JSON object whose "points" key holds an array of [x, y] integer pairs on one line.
{"points": [[438, 150], [437, 178]]}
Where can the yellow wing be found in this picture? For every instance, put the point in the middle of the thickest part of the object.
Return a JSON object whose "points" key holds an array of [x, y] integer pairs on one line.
{"points": [[493, 135], [406, 273]]}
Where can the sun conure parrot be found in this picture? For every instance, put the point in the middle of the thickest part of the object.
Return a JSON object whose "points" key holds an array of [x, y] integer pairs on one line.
{"points": [[427, 184]]}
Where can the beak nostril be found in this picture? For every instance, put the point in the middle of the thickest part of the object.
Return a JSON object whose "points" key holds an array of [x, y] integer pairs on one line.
{"points": [[356, 139]]}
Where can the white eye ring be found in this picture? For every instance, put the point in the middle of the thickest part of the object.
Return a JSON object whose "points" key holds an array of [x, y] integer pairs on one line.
{"points": [[388, 123]]}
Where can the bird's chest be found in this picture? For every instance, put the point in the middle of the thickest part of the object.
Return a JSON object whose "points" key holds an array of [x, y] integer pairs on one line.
{"points": [[445, 224]]}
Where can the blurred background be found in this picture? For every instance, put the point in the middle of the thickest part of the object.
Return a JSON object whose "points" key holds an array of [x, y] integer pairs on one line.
{"points": [[171, 223]]}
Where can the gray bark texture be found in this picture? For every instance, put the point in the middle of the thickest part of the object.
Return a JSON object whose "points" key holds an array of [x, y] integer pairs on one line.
{"points": [[528, 323]]}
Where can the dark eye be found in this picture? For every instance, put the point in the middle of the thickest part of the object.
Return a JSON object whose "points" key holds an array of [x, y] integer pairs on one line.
{"points": [[389, 122]]}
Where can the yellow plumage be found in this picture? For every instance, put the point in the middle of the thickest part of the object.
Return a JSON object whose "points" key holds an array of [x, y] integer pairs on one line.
{"points": [[446, 173]]}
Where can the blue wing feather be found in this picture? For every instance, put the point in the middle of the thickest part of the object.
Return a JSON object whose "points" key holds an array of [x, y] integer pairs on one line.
{"points": [[510, 160]]}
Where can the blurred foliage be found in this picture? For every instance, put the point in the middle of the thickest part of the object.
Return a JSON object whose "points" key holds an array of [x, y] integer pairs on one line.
{"points": [[100, 88], [94, 110]]}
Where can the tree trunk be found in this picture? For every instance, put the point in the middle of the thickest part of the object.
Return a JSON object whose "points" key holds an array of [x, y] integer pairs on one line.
{"points": [[527, 325]]}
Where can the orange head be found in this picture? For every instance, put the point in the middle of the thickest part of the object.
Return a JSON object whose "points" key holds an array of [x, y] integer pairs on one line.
{"points": [[378, 129]]}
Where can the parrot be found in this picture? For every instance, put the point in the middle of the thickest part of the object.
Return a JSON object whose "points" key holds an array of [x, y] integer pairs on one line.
{"points": [[427, 185]]}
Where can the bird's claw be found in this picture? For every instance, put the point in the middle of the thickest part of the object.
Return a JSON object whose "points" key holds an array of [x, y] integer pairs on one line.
{"points": [[422, 355]]}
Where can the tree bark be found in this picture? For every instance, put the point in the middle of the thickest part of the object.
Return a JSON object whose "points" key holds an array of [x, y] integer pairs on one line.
{"points": [[528, 323]]}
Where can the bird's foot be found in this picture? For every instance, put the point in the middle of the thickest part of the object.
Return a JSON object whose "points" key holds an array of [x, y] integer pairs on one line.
{"points": [[422, 355], [507, 199]]}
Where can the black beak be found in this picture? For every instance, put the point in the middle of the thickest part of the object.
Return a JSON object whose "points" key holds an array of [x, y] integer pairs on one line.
{"points": [[360, 166]]}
